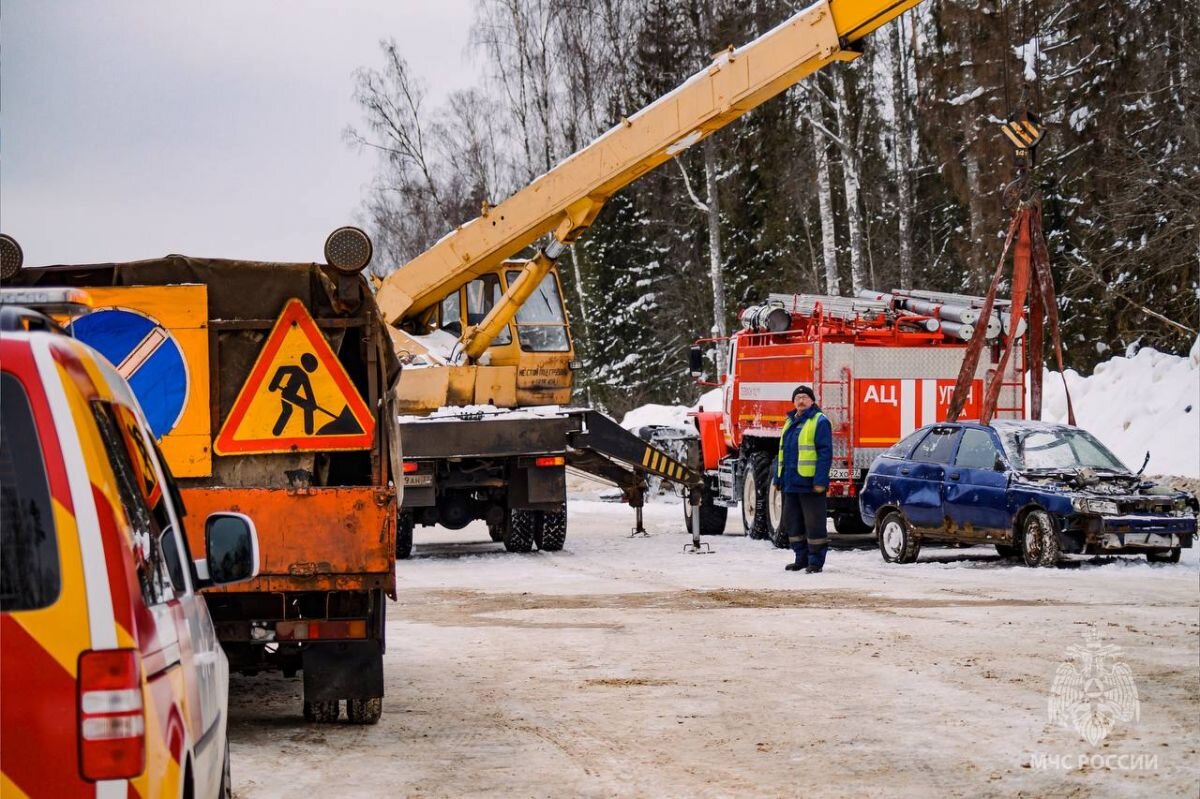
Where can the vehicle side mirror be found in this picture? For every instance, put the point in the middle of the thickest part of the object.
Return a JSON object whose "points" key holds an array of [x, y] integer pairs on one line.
{"points": [[231, 548], [696, 361], [999, 464]]}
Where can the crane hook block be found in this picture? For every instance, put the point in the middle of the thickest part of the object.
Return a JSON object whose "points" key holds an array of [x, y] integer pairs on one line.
{"points": [[1024, 130]]}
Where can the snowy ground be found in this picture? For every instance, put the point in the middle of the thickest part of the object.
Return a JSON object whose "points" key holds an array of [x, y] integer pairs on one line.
{"points": [[624, 667]]}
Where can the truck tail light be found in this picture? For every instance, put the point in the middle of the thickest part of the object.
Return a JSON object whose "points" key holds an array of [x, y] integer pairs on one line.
{"points": [[410, 467], [550, 460], [112, 721], [320, 630]]}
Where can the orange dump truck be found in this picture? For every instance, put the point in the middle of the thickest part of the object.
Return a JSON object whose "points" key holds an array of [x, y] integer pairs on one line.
{"points": [[269, 386]]}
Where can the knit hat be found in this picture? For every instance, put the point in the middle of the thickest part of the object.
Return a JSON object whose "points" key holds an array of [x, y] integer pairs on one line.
{"points": [[805, 390]]}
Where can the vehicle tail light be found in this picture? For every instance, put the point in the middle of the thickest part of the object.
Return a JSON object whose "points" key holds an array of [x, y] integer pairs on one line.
{"points": [[320, 630], [410, 467], [550, 460], [112, 721]]}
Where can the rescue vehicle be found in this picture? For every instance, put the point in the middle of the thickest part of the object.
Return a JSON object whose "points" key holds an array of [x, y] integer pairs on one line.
{"points": [[113, 681], [880, 369]]}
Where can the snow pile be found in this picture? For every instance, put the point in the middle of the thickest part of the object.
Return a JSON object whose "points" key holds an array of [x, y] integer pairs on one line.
{"points": [[670, 415], [1150, 401]]}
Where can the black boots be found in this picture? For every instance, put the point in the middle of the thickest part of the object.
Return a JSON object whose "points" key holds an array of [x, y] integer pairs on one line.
{"points": [[793, 567]]}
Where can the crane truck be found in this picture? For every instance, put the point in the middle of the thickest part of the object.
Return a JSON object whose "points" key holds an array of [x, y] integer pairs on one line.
{"points": [[485, 336], [270, 387]]}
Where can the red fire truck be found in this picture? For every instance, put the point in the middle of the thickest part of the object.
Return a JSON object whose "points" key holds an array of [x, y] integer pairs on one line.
{"points": [[881, 365]]}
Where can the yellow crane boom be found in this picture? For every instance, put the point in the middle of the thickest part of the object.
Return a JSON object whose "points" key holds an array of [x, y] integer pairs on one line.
{"points": [[567, 199]]}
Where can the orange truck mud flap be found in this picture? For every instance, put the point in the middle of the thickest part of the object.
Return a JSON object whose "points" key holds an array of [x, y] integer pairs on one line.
{"points": [[310, 539]]}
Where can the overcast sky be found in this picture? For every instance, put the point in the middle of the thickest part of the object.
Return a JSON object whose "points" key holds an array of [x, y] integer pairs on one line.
{"points": [[136, 128]]}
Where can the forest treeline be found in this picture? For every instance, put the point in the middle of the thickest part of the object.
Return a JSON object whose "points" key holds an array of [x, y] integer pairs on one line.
{"points": [[884, 172]]}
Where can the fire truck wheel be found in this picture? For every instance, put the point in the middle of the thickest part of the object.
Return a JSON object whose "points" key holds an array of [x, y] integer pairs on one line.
{"points": [[551, 530], [521, 527], [496, 532], [404, 536], [364, 711], [1168, 556], [1039, 540], [322, 712], [756, 490], [712, 517], [897, 543]]}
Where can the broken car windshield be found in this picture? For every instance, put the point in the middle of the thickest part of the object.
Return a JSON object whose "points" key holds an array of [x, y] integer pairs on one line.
{"points": [[1058, 449]]}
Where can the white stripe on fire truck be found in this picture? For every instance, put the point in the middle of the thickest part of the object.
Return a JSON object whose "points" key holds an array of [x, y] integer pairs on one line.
{"points": [[102, 622], [908, 407], [766, 391], [928, 401]]}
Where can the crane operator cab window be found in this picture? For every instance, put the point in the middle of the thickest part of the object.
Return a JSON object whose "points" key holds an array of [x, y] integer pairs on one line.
{"points": [[541, 323], [482, 295]]}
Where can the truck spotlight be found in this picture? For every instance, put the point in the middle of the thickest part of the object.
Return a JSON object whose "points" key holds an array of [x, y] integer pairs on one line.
{"points": [[348, 250], [11, 257]]}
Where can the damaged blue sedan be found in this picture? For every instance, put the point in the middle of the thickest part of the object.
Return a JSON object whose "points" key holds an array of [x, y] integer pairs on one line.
{"points": [[1031, 489]]}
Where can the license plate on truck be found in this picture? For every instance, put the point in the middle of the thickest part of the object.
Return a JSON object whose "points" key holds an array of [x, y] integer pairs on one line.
{"points": [[418, 480], [839, 474]]}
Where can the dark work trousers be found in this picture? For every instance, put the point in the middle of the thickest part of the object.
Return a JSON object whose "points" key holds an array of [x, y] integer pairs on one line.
{"points": [[804, 521]]}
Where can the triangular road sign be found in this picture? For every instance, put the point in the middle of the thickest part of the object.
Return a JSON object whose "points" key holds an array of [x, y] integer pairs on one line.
{"points": [[298, 397]]}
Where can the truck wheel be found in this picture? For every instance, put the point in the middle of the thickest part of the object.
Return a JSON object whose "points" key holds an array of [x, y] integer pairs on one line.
{"points": [[496, 532], [404, 535], [1039, 540], [522, 524], [756, 495], [712, 517], [364, 711], [897, 543], [1170, 556], [551, 530], [322, 712]]}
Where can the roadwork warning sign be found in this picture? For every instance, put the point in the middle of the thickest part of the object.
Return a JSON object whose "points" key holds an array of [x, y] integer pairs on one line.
{"points": [[298, 396]]}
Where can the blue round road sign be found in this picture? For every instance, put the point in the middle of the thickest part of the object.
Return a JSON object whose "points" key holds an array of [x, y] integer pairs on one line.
{"points": [[146, 355]]}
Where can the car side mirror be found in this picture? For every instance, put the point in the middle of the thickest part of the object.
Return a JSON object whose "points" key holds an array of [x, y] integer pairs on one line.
{"points": [[696, 361], [231, 548], [999, 464]]}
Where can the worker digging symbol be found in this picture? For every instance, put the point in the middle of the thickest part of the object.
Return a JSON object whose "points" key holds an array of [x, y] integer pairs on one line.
{"points": [[297, 396], [295, 391]]}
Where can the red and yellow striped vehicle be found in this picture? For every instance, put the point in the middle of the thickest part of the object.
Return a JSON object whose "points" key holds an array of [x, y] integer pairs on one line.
{"points": [[111, 677]]}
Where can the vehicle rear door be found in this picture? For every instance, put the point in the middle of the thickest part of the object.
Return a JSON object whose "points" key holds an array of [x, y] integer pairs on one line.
{"points": [[976, 494], [920, 482], [44, 619]]}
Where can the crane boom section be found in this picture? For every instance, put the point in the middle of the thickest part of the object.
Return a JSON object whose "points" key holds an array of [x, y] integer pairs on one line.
{"points": [[566, 199]]}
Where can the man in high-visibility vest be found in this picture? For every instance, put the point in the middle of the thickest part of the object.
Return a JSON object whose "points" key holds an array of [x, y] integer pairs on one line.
{"points": [[802, 473]]}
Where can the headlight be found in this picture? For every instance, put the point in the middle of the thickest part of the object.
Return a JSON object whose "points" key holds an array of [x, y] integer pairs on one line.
{"points": [[1104, 507]]}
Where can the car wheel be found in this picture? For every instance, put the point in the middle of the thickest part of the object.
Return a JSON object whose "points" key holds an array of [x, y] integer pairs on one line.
{"points": [[404, 536], [756, 496], [1039, 540], [897, 543], [226, 790], [364, 711], [1169, 556], [1007, 550], [712, 517]]}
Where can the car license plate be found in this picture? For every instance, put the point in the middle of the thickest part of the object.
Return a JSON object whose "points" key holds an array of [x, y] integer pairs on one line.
{"points": [[418, 480], [839, 474]]}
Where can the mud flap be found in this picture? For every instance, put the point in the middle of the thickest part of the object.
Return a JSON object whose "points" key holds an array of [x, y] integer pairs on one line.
{"points": [[345, 670]]}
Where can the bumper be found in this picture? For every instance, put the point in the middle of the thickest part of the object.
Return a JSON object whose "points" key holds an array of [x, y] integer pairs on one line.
{"points": [[1109, 542]]}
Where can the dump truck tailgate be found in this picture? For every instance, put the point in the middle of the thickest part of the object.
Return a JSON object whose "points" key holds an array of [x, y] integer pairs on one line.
{"points": [[310, 539]]}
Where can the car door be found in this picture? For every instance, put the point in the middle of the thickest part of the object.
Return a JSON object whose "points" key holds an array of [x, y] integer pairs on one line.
{"points": [[920, 480], [976, 494]]}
